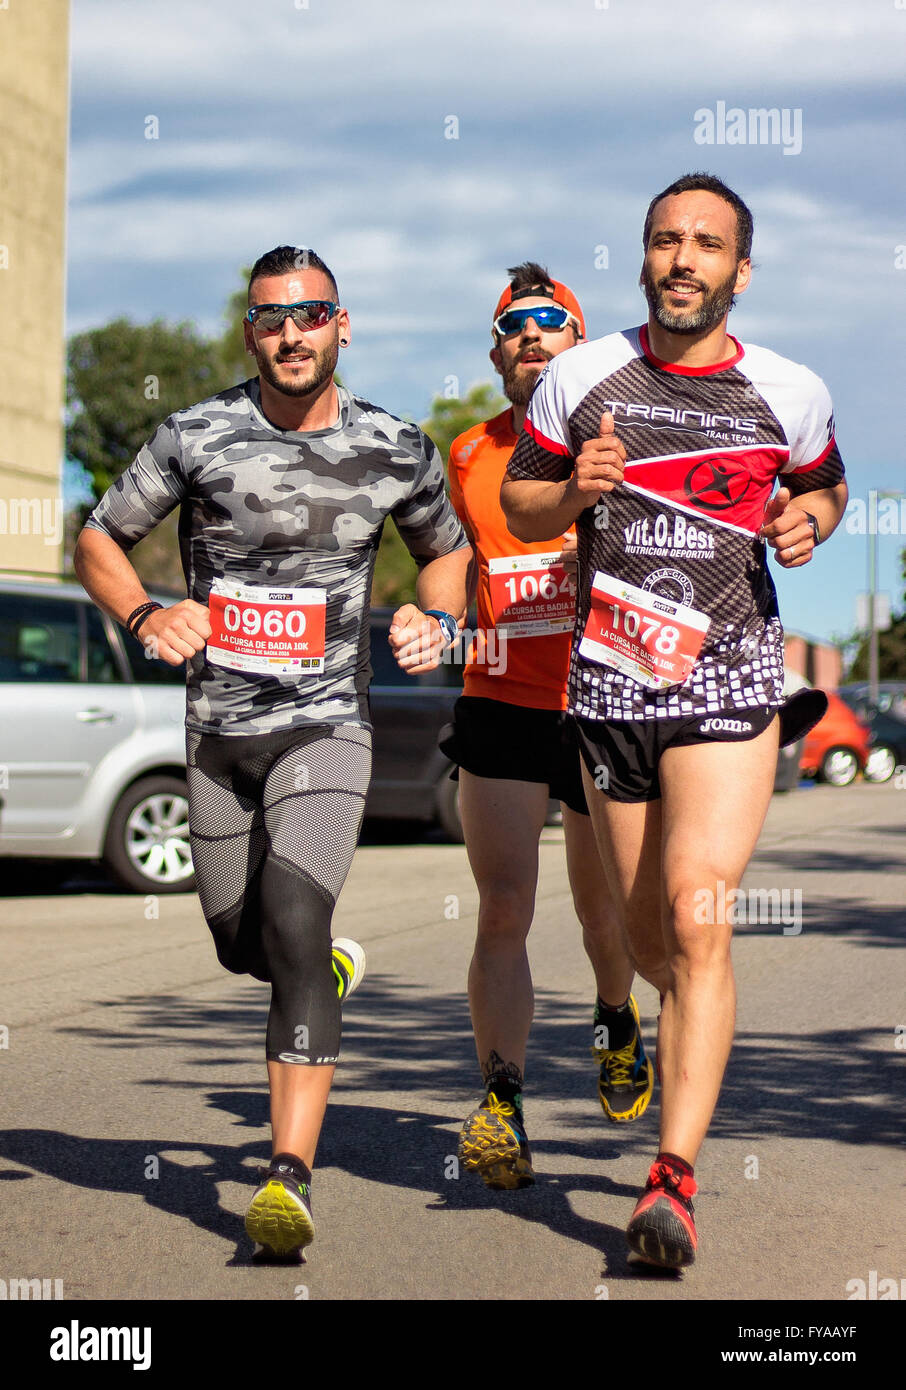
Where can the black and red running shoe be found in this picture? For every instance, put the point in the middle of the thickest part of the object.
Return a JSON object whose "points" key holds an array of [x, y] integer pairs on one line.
{"points": [[662, 1229]]}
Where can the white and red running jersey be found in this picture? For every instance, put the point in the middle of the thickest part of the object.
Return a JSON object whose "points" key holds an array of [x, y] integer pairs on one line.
{"points": [[673, 556]]}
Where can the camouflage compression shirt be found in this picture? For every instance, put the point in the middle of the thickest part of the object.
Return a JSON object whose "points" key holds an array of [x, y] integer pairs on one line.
{"points": [[281, 509]]}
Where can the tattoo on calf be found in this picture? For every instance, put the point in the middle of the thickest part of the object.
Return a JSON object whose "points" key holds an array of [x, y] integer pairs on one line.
{"points": [[496, 1066]]}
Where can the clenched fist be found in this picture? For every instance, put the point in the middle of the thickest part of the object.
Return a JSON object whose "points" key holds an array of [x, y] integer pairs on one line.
{"points": [[177, 633], [787, 528]]}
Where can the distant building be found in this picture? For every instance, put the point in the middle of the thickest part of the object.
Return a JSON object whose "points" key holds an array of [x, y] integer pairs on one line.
{"points": [[34, 123], [820, 663]]}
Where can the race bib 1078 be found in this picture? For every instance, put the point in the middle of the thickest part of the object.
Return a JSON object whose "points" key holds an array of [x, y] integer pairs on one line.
{"points": [[646, 636]]}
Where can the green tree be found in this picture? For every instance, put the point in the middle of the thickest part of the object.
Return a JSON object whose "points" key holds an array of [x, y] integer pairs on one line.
{"points": [[123, 380], [449, 418], [231, 345], [891, 646], [395, 570]]}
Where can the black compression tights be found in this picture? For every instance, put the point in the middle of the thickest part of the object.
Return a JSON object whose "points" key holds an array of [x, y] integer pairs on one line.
{"points": [[274, 820]]}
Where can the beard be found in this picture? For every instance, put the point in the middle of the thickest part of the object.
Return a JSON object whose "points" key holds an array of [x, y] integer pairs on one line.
{"points": [[324, 361], [518, 384], [715, 304]]}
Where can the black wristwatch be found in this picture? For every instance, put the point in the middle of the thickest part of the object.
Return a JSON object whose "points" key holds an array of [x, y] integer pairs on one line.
{"points": [[813, 522], [448, 624]]}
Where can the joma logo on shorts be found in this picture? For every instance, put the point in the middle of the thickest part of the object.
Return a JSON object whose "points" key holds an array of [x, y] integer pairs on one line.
{"points": [[726, 726]]}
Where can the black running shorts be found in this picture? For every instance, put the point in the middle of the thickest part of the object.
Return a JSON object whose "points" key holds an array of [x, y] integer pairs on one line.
{"points": [[623, 758], [491, 738]]}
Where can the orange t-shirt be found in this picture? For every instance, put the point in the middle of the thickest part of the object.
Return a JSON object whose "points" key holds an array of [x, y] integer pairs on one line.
{"points": [[527, 671]]}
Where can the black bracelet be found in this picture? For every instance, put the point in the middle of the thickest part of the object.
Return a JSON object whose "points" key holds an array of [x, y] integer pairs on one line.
{"points": [[138, 616]]}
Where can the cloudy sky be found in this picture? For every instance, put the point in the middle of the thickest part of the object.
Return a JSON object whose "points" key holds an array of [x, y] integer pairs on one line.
{"points": [[328, 123]]}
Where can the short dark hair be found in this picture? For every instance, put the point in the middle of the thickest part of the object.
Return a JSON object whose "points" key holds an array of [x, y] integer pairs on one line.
{"points": [[529, 274], [708, 183], [284, 259]]}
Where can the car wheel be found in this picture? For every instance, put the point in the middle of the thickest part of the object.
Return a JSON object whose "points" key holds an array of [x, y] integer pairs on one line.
{"points": [[839, 767], [147, 845], [881, 765], [448, 808]]}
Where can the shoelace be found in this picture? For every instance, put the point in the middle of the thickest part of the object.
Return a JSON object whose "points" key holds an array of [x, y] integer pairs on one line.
{"points": [[499, 1107], [677, 1184], [619, 1063]]}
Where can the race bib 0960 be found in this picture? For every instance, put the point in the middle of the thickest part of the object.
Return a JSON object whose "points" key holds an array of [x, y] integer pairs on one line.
{"points": [[267, 630]]}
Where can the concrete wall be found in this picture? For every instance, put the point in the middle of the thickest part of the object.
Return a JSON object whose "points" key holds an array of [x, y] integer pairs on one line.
{"points": [[34, 124]]}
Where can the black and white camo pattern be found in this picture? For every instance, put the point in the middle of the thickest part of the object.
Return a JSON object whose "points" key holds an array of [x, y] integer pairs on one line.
{"points": [[258, 505]]}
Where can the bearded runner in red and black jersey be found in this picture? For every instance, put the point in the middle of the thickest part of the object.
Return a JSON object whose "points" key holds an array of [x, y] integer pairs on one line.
{"points": [[664, 444]]}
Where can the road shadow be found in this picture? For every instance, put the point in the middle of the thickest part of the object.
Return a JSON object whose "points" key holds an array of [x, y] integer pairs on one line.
{"points": [[837, 1085]]}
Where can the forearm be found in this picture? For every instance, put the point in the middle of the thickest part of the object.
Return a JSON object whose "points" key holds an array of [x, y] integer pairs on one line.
{"points": [[826, 505], [540, 511], [107, 574], [442, 583]]}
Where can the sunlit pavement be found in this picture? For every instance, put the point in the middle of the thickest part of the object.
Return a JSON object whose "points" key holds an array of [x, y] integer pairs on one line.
{"points": [[135, 1109]]}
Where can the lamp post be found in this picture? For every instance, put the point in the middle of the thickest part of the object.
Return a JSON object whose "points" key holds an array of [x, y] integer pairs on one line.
{"points": [[873, 495]]}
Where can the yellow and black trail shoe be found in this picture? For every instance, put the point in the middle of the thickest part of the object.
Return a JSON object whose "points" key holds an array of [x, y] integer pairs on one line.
{"points": [[626, 1077], [493, 1142]]}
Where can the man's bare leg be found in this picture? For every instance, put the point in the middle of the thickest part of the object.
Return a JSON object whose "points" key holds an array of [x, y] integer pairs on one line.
{"points": [[502, 821], [602, 933], [626, 1077], [715, 799], [628, 835]]}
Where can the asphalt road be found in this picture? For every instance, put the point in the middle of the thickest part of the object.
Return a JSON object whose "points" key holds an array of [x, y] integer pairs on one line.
{"points": [[135, 1111]]}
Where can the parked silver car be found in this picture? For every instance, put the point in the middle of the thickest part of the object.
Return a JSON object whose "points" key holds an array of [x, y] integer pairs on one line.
{"points": [[92, 745]]}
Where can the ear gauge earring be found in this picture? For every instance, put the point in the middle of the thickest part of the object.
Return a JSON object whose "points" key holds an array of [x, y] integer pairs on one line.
{"points": [[343, 342]]}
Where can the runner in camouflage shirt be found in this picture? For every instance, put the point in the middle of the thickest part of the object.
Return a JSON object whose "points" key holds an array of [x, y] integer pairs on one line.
{"points": [[284, 485]]}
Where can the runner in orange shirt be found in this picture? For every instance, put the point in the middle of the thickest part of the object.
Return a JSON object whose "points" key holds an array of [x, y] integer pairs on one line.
{"points": [[516, 748]]}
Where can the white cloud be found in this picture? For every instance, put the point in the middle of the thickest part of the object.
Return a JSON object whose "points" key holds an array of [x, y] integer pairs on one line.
{"points": [[178, 49]]}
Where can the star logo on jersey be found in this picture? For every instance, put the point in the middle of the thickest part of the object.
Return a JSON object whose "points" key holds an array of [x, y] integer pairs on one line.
{"points": [[714, 486]]}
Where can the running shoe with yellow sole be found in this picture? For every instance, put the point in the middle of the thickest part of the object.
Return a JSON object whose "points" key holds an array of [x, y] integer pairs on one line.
{"points": [[279, 1215], [348, 966], [626, 1077], [494, 1144]]}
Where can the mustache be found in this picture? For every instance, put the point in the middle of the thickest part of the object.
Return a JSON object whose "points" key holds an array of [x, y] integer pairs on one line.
{"points": [[667, 280]]}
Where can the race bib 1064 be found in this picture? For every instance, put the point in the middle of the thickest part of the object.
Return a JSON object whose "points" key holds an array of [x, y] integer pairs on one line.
{"points": [[267, 630], [531, 595], [644, 635]]}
